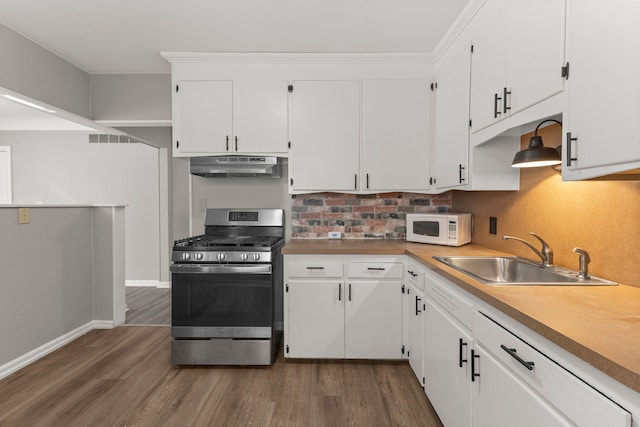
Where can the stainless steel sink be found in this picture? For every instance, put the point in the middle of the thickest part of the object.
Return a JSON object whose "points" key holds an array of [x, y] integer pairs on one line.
{"points": [[515, 271]]}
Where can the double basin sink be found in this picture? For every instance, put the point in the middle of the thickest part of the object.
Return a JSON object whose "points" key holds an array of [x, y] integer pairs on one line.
{"points": [[516, 271]]}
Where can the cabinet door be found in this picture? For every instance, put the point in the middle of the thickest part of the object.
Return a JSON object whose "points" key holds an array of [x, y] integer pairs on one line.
{"points": [[502, 399], [535, 52], [451, 144], [489, 67], [395, 135], [603, 51], [415, 346], [203, 117], [326, 135], [373, 320], [315, 321], [446, 367], [260, 114]]}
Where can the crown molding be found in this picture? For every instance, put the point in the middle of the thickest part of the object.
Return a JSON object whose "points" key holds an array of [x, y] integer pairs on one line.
{"points": [[297, 58], [458, 26]]}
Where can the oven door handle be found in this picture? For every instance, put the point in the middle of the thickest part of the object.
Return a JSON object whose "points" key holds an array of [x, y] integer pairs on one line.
{"points": [[220, 269]]}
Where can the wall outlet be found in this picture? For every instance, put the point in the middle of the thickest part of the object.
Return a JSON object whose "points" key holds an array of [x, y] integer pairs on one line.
{"points": [[24, 215], [493, 225], [335, 235]]}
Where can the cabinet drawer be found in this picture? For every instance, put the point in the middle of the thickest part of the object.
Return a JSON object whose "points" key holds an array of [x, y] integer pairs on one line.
{"points": [[381, 270], [576, 399], [415, 275], [321, 268], [449, 300]]}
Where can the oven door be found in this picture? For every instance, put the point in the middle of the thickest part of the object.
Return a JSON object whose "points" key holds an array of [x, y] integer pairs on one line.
{"points": [[221, 301]]}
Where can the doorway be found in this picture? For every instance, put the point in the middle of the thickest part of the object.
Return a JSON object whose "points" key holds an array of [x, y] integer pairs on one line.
{"points": [[6, 197]]}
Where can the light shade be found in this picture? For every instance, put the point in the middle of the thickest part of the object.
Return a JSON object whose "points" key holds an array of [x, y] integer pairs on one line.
{"points": [[536, 154]]}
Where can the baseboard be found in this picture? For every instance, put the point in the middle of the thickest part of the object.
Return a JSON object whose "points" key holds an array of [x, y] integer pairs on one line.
{"points": [[104, 324], [147, 283], [37, 353]]}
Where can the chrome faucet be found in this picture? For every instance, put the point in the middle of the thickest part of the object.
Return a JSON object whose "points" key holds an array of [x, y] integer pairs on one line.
{"points": [[546, 254], [584, 263]]}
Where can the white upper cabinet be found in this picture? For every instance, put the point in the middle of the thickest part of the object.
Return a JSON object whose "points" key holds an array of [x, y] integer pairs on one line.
{"points": [[202, 121], [325, 136], [327, 154], [603, 89], [260, 110], [395, 135], [225, 117], [489, 68], [450, 154], [535, 52], [518, 54]]}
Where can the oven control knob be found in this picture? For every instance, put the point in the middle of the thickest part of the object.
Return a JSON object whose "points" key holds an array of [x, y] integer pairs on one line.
{"points": [[199, 256], [244, 257], [256, 257], [220, 256], [186, 256]]}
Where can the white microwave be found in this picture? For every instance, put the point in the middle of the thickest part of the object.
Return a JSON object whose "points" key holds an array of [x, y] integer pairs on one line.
{"points": [[449, 229]]}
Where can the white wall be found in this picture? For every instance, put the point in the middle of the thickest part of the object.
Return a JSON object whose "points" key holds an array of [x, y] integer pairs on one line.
{"points": [[64, 168], [31, 70], [131, 97], [239, 193]]}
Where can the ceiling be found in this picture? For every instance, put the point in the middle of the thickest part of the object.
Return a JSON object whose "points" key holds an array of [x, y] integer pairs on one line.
{"points": [[127, 36]]}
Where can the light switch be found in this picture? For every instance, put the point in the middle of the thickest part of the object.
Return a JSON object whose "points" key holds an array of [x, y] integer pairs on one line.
{"points": [[24, 215]]}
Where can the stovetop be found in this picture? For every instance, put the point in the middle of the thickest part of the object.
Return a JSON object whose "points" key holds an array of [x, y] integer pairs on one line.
{"points": [[208, 243]]}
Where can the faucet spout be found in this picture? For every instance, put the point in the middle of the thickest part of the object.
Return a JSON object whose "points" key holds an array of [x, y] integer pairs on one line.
{"points": [[546, 255]]}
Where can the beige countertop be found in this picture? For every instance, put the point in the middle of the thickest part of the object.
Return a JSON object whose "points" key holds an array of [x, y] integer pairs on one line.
{"points": [[598, 324]]}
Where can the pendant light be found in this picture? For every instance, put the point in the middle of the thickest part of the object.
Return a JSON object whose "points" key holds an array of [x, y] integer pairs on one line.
{"points": [[536, 154]]}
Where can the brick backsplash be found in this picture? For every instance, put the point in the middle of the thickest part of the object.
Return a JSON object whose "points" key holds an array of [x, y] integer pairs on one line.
{"points": [[376, 216]]}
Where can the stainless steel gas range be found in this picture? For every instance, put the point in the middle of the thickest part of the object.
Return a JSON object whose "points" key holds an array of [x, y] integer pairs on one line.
{"points": [[226, 306]]}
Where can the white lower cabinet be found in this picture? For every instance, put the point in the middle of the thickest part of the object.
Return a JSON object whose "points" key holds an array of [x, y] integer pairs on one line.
{"points": [[315, 327], [413, 311], [516, 384], [373, 320], [480, 370], [447, 366], [337, 309], [479, 367], [501, 399]]}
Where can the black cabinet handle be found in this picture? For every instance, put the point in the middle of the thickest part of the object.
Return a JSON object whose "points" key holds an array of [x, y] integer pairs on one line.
{"points": [[504, 100], [496, 98], [367, 181], [460, 177], [315, 268], [227, 142], [339, 291], [349, 291], [474, 374], [376, 268], [236, 140], [355, 181], [512, 353], [569, 140], [418, 311], [461, 359], [412, 273]]}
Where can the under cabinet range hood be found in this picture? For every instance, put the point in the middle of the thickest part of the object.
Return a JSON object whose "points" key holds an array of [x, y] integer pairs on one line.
{"points": [[236, 166]]}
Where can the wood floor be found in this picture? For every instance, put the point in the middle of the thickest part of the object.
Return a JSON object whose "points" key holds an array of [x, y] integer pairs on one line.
{"points": [[123, 377], [148, 306]]}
